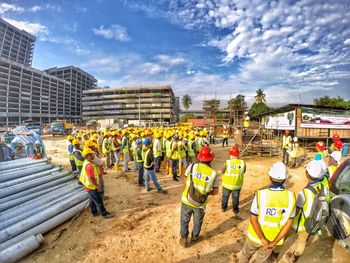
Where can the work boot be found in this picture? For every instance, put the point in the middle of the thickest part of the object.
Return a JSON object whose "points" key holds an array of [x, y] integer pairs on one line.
{"points": [[175, 179], [195, 239], [236, 211], [223, 209], [107, 215], [183, 241], [116, 167]]}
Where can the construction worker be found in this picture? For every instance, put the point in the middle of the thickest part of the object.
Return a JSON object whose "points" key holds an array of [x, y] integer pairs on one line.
{"points": [[201, 180], [125, 148], [90, 178], [70, 138], [225, 136], [211, 135], [174, 155], [181, 147], [106, 149], [246, 124], [286, 143], [320, 148], [305, 199], [293, 152], [78, 156], [157, 151], [232, 180], [148, 164], [168, 145], [139, 162], [38, 151], [191, 148], [116, 150], [335, 138], [271, 216], [334, 161]]}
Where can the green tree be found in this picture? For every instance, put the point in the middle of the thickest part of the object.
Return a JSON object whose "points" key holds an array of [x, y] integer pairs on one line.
{"points": [[238, 102], [187, 116], [211, 106], [260, 97], [186, 101], [332, 102], [258, 108]]}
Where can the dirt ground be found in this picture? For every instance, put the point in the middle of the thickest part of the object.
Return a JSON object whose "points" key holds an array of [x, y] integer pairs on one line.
{"points": [[146, 225]]}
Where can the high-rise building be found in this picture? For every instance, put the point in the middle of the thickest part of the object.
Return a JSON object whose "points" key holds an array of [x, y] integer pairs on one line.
{"points": [[15, 44], [79, 81], [28, 93], [155, 103]]}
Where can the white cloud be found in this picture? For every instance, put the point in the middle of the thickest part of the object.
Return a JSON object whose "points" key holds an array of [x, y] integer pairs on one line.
{"points": [[109, 64], [35, 8], [170, 60], [5, 7], [116, 32], [30, 27], [347, 42]]}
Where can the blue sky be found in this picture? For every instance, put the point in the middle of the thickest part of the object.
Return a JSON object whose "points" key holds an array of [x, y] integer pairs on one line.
{"points": [[294, 50]]}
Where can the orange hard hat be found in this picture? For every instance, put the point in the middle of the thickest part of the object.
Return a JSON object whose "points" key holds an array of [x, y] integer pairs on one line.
{"points": [[206, 154], [286, 132], [320, 145], [234, 151], [338, 144], [335, 136]]}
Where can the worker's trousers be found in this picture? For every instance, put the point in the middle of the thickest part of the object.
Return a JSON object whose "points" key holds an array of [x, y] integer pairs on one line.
{"points": [[285, 156], [235, 198], [126, 161], [174, 166], [96, 202], [157, 162], [140, 173], [249, 250], [212, 139], [72, 164], [186, 214], [148, 175], [225, 140]]}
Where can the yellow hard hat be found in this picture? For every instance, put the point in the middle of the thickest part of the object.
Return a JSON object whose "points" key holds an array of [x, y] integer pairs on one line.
{"points": [[201, 133], [70, 137], [191, 136], [87, 151], [76, 141], [89, 143], [95, 137]]}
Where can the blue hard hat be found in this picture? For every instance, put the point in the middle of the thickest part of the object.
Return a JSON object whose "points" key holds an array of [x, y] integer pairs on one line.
{"points": [[147, 141], [176, 137], [138, 141]]}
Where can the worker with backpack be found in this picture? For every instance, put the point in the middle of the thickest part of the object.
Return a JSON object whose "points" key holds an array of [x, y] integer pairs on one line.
{"points": [[312, 212]]}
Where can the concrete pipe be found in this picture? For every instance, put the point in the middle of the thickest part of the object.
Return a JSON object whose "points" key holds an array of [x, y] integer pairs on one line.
{"points": [[25, 172], [47, 225], [26, 185], [28, 177], [21, 249], [36, 202], [30, 195], [20, 163], [32, 210], [19, 169], [29, 222]]}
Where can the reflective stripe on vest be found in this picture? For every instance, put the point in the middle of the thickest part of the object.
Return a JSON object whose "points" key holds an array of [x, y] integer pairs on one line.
{"points": [[85, 180], [146, 164], [275, 209], [138, 155], [306, 209], [232, 179], [76, 160], [190, 150], [203, 179]]}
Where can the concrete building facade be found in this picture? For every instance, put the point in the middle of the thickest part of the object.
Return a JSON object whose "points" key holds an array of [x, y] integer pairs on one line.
{"points": [[152, 103], [15, 44]]}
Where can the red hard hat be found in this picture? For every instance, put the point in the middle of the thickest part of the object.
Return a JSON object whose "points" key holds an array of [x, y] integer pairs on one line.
{"points": [[335, 136], [338, 144], [206, 154], [320, 145], [234, 151], [286, 131]]}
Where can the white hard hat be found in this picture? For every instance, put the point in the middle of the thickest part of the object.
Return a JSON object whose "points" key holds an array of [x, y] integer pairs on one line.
{"points": [[246, 112], [323, 166], [295, 139], [278, 171], [315, 169], [336, 155], [37, 142], [247, 118]]}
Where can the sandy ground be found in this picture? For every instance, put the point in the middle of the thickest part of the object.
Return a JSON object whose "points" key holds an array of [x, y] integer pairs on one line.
{"points": [[146, 225]]}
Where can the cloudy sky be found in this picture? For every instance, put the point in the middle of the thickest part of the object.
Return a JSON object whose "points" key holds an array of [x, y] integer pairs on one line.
{"points": [[293, 50]]}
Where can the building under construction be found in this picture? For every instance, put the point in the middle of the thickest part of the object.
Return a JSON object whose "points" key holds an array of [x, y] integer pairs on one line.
{"points": [[132, 104]]}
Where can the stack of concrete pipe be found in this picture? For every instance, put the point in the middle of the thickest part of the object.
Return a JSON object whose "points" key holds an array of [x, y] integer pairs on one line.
{"points": [[35, 197]]}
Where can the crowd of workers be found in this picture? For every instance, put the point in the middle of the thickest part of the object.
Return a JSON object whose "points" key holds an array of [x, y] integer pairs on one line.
{"points": [[184, 152]]}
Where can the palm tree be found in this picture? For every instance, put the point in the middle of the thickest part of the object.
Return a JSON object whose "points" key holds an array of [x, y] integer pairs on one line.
{"points": [[211, 107], [186, 101], [260, 96]]}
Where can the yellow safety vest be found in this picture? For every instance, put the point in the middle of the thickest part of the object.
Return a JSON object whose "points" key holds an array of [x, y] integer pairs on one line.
{"points": [[71, 155], [156, 147], [199, 144], [176, 155], [246, 124], [306, 209], [146, 164], [105, 146], [168, 148], [138, 156], [225, 134], [203, 177], [275, 209], [76, 160], [294, 150], [232, 179], [286, 141], [181, 149], [190, 150], [85, 180], [331, 169], [126, 147]]}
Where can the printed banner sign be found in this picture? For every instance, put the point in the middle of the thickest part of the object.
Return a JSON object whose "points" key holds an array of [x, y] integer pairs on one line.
{"points": [[321, 118], [281, 121]]}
